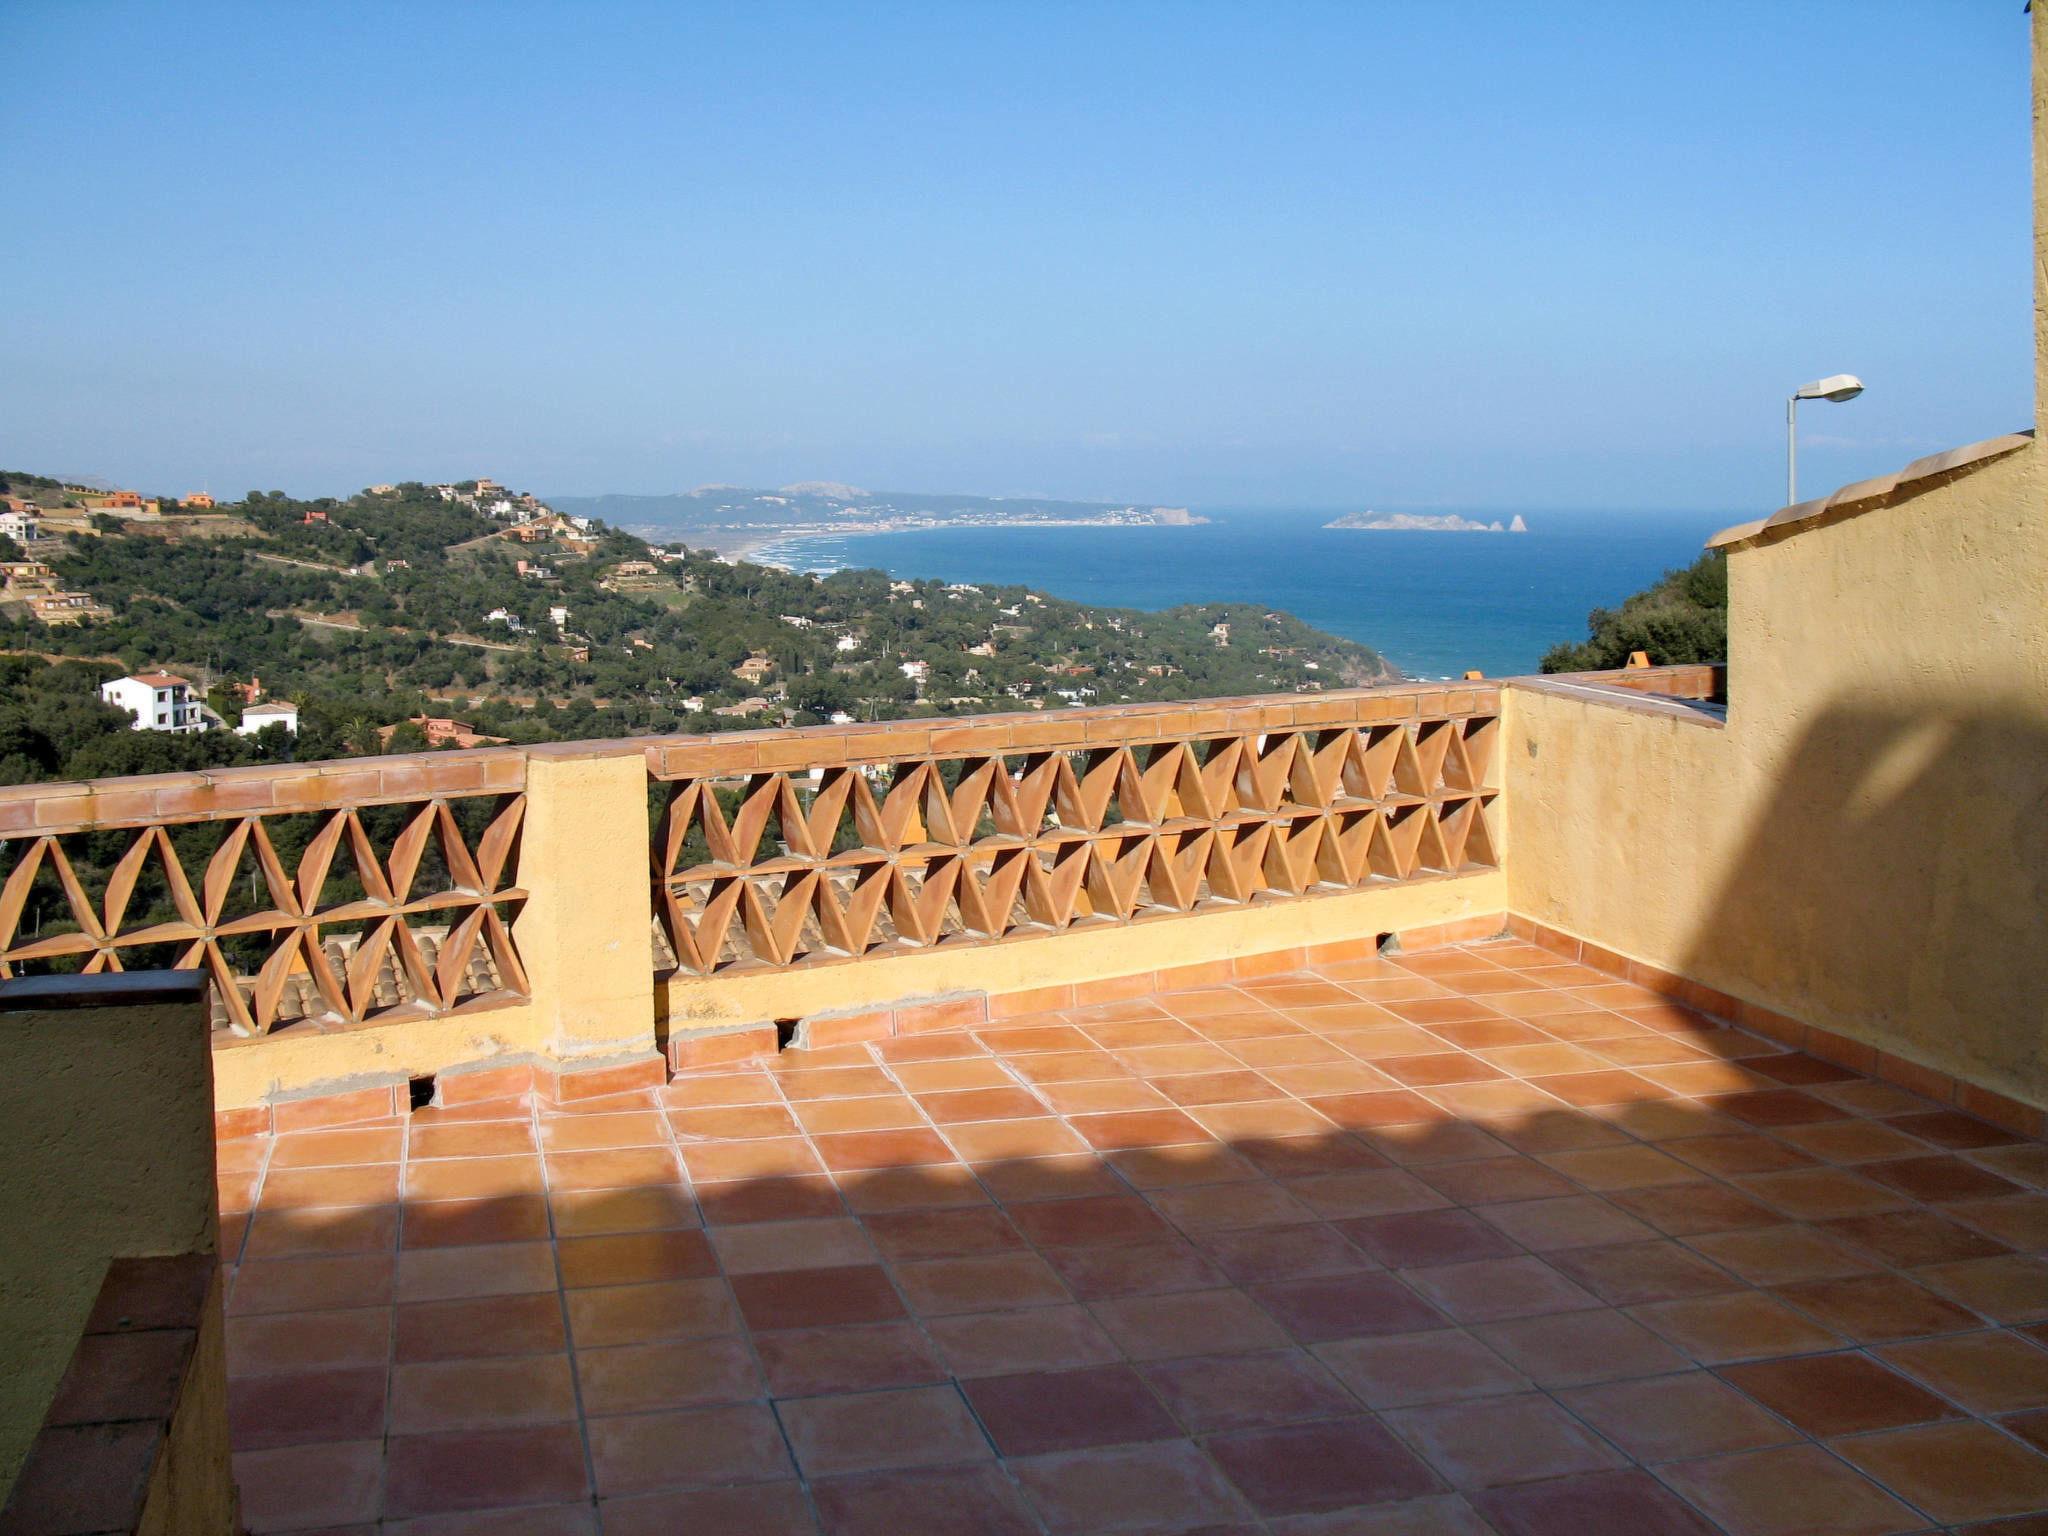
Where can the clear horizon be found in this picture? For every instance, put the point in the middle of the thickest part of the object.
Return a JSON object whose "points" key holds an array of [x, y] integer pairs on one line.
{"points": [[1227, 258]]}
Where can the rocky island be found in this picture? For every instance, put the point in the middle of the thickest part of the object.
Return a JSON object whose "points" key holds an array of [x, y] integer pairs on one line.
{"points": [[1416, 522]]}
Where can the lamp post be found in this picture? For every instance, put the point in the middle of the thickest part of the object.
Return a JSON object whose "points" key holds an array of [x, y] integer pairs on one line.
{"points": [[1836, 386]]}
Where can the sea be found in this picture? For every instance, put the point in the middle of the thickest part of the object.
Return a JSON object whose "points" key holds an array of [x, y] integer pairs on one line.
{"points": [[1434, 604]]}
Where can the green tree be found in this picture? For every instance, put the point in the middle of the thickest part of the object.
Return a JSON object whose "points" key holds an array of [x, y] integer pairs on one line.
{"points": [[1682, 618]]}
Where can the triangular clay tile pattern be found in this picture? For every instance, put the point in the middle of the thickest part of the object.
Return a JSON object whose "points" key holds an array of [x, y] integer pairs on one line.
{"points": [[854, 857], [321, 917]]}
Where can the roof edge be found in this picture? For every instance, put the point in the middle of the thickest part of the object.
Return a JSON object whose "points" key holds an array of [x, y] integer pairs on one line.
{"points": [[1868, 495]]}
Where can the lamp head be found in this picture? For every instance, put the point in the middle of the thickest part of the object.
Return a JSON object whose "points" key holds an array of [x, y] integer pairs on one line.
{"points": [[1836, 386]]}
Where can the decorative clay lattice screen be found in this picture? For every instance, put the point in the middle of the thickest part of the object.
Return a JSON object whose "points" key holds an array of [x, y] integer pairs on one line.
{"points": [[332, 916], [851, 857]]}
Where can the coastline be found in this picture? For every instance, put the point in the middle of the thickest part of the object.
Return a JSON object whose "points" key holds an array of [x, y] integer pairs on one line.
{"points": [[770, 546]]}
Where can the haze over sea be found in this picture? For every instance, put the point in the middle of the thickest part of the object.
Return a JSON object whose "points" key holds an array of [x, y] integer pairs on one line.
{"points": [[1434, 604]]}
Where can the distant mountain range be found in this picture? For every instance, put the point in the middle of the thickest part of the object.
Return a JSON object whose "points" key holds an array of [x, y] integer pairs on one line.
{"points": [[732, 515]]}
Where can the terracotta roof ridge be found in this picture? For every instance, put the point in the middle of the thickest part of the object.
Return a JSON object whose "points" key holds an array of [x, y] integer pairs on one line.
{"points": [[1868, 495]]}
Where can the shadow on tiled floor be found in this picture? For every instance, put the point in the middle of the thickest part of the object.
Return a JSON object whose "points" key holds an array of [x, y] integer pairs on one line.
{"points": [[1471, 1240]]}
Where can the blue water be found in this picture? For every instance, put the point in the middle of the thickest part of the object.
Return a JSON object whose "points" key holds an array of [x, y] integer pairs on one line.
{"points": [[1434, 604]]}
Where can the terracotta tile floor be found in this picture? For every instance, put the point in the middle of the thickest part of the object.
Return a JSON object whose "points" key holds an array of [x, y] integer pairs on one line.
{"points": [[1466, 1241]]}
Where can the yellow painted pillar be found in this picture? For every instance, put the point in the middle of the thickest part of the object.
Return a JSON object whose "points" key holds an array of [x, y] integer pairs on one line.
{"points": [[585, 934]]}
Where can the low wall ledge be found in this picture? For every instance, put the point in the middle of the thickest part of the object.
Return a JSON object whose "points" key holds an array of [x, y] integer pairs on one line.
{"points": [[1685, 711], [107, 989]]}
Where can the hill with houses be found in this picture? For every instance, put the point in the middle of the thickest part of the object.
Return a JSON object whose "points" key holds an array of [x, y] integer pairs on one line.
{"points": [[412, 614]]}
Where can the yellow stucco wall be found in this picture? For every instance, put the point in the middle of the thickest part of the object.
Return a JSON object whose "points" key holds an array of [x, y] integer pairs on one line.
{"points": [[192, 1489], [106, 1132], [1863, 846]]}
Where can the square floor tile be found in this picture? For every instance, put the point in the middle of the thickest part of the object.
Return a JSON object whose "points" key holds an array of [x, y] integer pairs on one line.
{"points": [[1988, 1373], [1283, 1253], [694, 1448], [1416, 1239], [1492, 1289], [815, 1298], [1034, 1412], [1619, 1503], [1797, 1490], [1209, 1393], [1959, 1471], [1673, 1418], [484, 1469], [996, 1343], [759, 1509], [1415, 1368], [1309, 1467], [1347, 1306], [810, 1362], [1165, 1486], [1565, 1349], [871, 1431], [1495, 1440], [1877, 1309], [638, 1378], [942, 1501], [1837, 1394], [1221, 1322], [1741, 1325]]}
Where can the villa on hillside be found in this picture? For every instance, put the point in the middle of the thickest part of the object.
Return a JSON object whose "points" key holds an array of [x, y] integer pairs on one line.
{"points": [[158, 701]]}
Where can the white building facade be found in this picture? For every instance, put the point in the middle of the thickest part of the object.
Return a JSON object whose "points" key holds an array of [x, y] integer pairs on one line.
{"points": [[275, 712], [159, 701]]}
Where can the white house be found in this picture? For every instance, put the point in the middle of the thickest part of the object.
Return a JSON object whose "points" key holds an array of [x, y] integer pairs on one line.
{"points": [[846, 643], [558, 615], [159, 701], [22, 527], [920, 670], [276, 712]]}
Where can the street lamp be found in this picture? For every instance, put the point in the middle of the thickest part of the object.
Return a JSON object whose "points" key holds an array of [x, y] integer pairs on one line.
{"points": [[1836, 386]]}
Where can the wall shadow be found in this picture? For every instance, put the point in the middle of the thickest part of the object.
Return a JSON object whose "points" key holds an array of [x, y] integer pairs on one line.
{"points": [[1895, 889]]}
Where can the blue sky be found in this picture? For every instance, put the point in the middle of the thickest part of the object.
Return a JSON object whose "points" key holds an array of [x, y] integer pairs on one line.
{"points": [[1398, 254]]}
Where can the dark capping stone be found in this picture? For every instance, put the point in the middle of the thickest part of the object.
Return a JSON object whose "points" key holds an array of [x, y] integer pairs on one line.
{"points": [[109, 989]]}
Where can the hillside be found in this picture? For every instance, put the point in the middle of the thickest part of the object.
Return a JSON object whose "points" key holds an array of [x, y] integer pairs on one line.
{"points": [[1682, 618], [417, 601]]}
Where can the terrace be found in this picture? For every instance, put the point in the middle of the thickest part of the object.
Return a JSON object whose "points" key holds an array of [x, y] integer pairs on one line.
{"points": [[1545, 1105], [1473, 1233]]}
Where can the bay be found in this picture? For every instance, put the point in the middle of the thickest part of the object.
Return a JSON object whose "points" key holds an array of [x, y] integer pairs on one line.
{"points": [[1434, 604]]}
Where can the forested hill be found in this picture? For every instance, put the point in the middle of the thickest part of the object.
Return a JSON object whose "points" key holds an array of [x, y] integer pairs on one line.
{"points": [[375, 609], [1681, 618]]}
